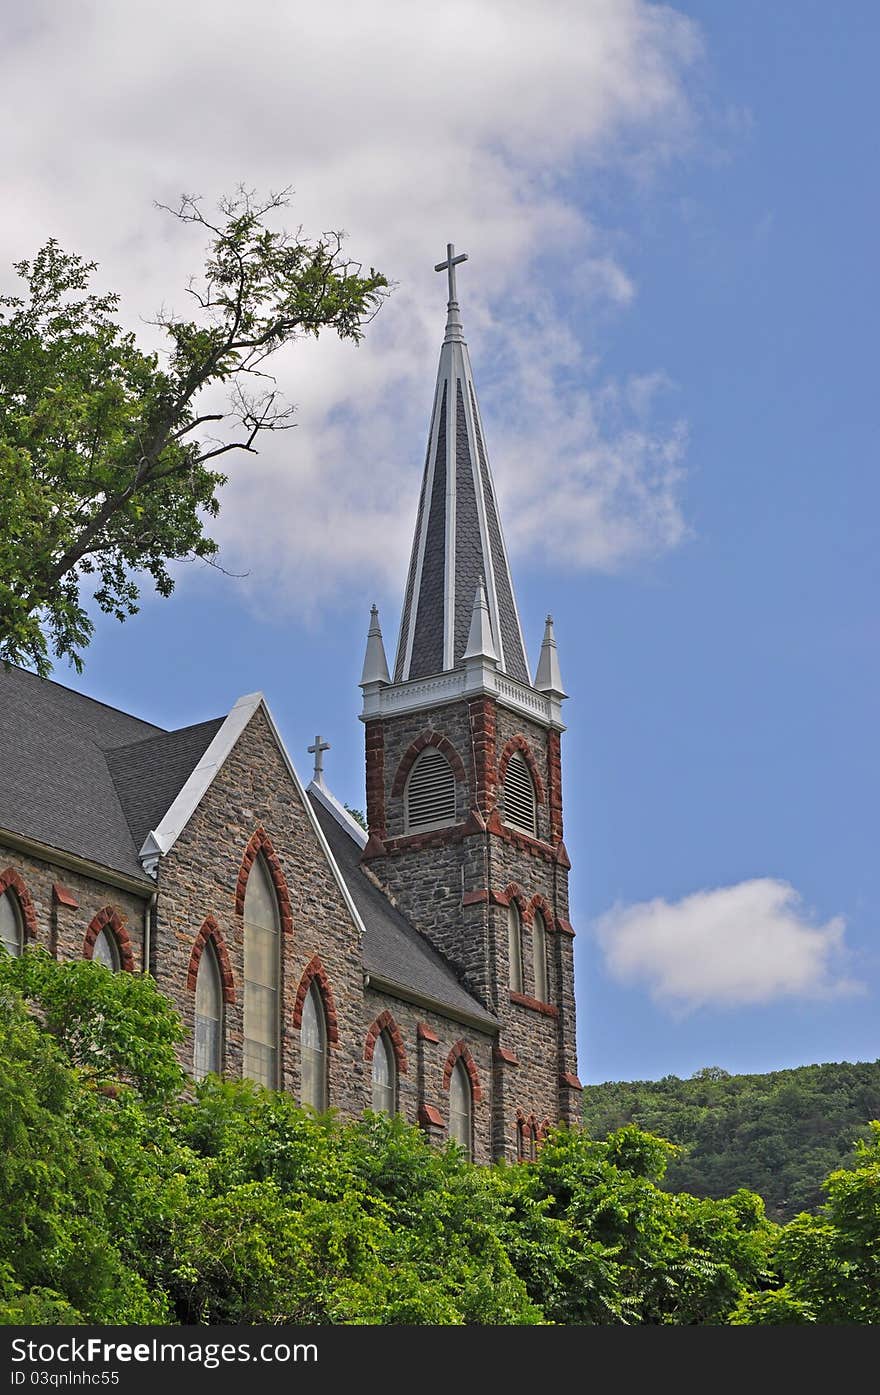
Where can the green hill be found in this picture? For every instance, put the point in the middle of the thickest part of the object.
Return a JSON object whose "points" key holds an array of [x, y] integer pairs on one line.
{"points": [[776, 1134]]}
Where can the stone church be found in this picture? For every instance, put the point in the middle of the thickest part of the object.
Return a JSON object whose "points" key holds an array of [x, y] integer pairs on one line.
{"points": [[425, 967]]}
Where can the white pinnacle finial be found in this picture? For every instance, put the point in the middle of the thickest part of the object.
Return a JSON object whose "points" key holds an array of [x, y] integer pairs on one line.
{"points": [[375, 662], [454, 331], [480, 645], [548, 679]]}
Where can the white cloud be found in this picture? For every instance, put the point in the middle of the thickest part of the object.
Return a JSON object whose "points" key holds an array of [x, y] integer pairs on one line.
{"points": [[406, 125], [734, 946]]}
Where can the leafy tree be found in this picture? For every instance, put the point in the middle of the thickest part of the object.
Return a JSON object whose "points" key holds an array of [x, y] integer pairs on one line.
{"points": [[109, 456], [830, 1262], [778, 1135]]}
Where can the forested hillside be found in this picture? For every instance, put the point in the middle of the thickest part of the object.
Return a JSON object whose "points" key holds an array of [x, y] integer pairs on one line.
{"points": [[777, 1134]]}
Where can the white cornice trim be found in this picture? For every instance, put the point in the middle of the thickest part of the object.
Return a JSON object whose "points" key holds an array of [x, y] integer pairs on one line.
{"points": [[476, 679]]}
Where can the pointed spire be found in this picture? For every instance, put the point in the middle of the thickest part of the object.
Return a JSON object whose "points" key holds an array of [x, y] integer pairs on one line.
{"points": [[479, 645], [458, 538], [549, 678], [375, 663]]}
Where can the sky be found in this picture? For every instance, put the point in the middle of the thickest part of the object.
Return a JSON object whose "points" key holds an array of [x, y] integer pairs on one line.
{"points": [[671, 303]]}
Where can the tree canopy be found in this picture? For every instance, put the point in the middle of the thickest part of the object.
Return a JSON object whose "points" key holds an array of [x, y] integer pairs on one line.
{"points": [[777, 1134], [130, 1195], [110, 455]]}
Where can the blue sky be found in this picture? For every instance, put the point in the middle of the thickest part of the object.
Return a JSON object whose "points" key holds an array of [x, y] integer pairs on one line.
{"points": [[671, 303]]}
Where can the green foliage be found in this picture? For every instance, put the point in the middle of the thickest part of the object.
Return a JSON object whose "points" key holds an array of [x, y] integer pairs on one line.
{"points": [[116, 1027], [125, 1200], [777, 1134], [106, 470]]}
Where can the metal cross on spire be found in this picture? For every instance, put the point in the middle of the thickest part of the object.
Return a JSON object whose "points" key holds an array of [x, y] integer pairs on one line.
{"points": [[318, 752], [449, 265]]}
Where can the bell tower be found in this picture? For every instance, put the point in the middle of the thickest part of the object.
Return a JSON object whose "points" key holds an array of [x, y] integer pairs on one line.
{"points": [[463, 768]]}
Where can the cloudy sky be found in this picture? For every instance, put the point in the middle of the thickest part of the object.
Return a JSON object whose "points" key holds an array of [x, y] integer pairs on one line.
{"points": [[671, 304]]}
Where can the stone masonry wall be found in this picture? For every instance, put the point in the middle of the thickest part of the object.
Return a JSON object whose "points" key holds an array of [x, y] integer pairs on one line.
{"points": [[200, 878], [60, 927]]}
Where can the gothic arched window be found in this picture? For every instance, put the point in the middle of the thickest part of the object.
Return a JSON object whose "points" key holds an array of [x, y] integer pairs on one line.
{"points": [[539, 956], [106, 950], [514, 947], [262, 973], [384, 1097], [430, 791], [208, 1047], [11, 925], [313, 1042], [519, 796], [461, 1107]]}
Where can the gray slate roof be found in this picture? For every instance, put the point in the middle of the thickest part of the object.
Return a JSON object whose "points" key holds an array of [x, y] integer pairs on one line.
{"points": [[83, 777], [456, 483], [394, 949]]}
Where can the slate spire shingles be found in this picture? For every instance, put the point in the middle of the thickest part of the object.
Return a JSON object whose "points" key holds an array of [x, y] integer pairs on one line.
{"points": [[458, 538]]}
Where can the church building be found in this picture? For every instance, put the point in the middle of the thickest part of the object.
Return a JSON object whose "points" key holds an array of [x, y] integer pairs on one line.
{"points": [[423, 967]]}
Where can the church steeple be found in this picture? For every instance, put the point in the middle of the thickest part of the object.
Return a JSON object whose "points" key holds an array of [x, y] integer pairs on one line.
{"points": [[458, 539]]}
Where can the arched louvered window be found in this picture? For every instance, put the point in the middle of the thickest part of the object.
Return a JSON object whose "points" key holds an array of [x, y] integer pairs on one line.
{"points": [[539, 956], [11, 927], [106, 950], [461, 1107], [313, 1052], [208, 1048], [262, 973], [519, 795], [514, 947], [384, 1097], [430, 791]]}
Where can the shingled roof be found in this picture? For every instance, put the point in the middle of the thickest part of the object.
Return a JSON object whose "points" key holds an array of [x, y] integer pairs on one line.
{"points": [[393, 950], [85, 778], [458, 539]]}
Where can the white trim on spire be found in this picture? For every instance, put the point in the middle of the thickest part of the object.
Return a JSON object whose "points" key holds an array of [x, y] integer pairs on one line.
{"points": [[480, 645], [522, 643], [482, 513], [452, 352], [423, 534]]}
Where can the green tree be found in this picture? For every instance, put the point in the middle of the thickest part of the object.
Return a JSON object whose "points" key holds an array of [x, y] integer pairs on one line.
{"points": [[109, 455], [830, 1262]]}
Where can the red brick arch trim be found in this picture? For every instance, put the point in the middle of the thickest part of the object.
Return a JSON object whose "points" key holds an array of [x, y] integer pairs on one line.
{"points": [[261, 843], [461, 1052], [412, 753], [514, 892], [211, 931], [519, 743], [540, 903], [386, 1023], [110, 919], [11, 881], [315, 972]]}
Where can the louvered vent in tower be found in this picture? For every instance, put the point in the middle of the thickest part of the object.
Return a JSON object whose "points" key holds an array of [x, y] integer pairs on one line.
{"points": [[430, 792], [519, 796]]}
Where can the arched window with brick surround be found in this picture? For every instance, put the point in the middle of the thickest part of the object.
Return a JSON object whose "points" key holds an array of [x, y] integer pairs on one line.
{"points": [[11, 924], [514, 947], [313, 1052], [519, 804], [208, 1043], [430, 792], [539, 956], [384, 1082], [262, 975], [461, 1107]]}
